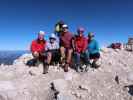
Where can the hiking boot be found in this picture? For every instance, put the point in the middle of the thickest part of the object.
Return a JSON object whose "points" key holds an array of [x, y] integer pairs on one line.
{"points": [[78, 68], [66, 67], [94, 65], [87, 67], [36, 62], [62, 61], [45, 68], [82, 67]]}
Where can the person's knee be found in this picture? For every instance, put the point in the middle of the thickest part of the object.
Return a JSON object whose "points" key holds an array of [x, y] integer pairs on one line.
{"points": [[77, 54], [49, 54], [94, 56], [70, 52], [49, 57], [62, 49], [97, 56], [35, 54]]}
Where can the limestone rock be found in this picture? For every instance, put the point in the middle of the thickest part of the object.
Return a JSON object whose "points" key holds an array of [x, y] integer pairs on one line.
{"points": [[60, 85], [64, 97], [130, 76], [21, 82], [23, 59]]}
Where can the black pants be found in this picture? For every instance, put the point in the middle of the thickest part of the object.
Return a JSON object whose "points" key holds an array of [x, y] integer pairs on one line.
{"points": [[55, 55], [94, 56]]}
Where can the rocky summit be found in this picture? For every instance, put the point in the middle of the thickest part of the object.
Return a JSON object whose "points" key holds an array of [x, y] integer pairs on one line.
{"points": [[112, 81]]}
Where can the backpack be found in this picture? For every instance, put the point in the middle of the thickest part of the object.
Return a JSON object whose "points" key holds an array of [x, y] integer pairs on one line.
{"points": [[58, 27], [116, 45], [31, 62]]}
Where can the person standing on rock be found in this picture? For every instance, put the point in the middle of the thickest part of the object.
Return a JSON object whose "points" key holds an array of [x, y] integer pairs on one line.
{"points": [[53, 47], [66, 48], [38, 51], [58, 28], [80, 49], [93, 50]]}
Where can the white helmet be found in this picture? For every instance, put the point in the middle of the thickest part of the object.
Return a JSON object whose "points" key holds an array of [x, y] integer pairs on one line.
{"points": [[41, 33], [53, 36], [65, 26]]}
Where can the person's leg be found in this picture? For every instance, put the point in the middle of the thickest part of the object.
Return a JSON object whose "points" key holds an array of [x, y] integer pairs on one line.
{"points": [[36, 58], [77, 58], [85, 58], [77, 61], [95, 58], [69, 55], [46, 62], [35, 55], [62, 52], [56, 56], [49, 57], [68, 59]]}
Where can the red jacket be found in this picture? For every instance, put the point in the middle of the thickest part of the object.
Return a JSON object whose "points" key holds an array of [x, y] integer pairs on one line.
{"points": [[38, 46], [80, 44]]}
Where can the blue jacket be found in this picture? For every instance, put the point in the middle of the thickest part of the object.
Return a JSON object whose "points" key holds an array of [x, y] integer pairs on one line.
{"points": [[93, 47]]}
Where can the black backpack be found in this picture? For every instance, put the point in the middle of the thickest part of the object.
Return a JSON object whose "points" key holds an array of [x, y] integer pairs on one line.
{"points": [[31, 62]]}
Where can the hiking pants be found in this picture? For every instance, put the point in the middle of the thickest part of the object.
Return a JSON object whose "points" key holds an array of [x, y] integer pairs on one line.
{"points": [[81, 56]]}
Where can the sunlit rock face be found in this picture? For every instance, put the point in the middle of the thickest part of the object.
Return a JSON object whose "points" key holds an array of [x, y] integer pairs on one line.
{"points": [[113, 80]]}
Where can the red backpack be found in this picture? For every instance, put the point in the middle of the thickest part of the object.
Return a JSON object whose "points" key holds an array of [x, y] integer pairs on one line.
{"points": [[116, 45]]}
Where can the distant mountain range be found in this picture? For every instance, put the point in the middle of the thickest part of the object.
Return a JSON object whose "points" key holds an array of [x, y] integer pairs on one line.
{"points": [[7, 57]]}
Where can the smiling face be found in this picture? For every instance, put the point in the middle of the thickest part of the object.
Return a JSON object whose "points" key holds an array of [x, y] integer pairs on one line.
{"points": [[52, 40], [90, 37], [40, 36], [80, 33], [65, 29]]}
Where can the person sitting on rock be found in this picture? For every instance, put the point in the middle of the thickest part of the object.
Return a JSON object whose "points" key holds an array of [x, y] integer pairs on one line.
{"points": [[93, 50], [66, 48], [53, 47], [38, 51], [80, 49]]}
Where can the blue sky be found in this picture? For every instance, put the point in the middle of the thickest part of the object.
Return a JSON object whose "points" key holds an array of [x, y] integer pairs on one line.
{"points": [[20, 20]]}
